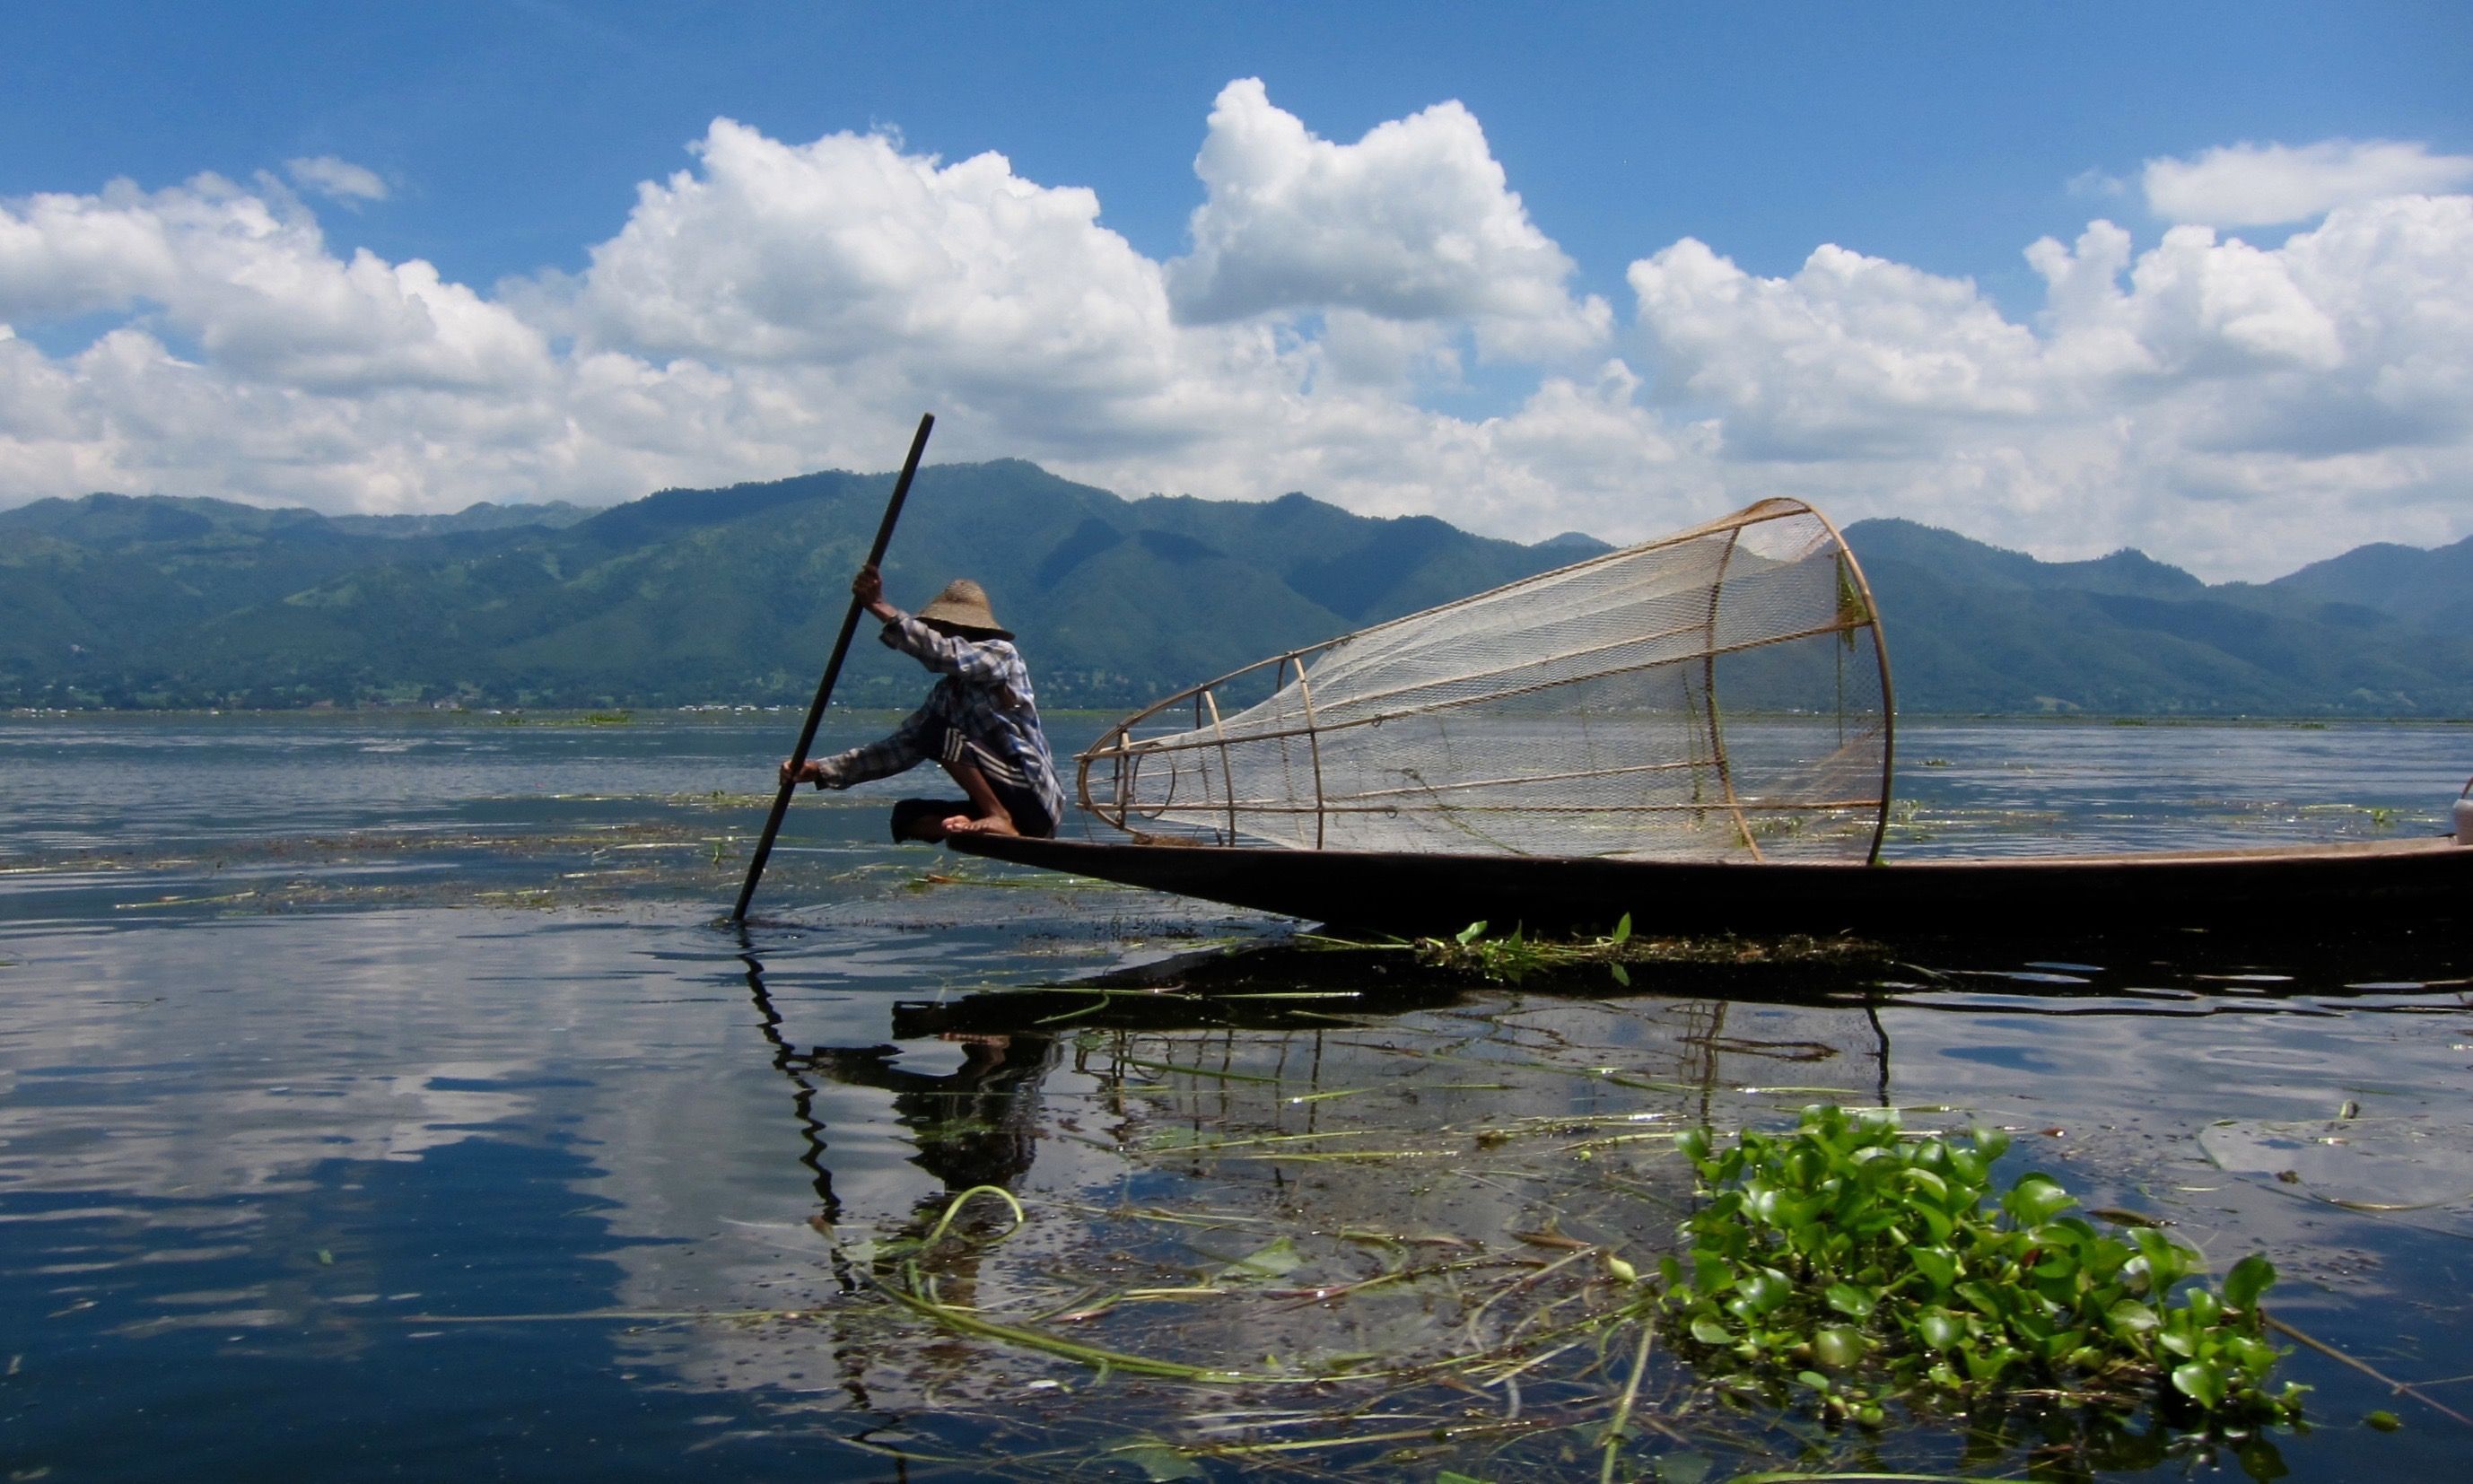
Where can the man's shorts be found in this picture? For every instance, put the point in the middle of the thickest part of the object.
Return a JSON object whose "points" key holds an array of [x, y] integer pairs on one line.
{"points": [[1012, 790]]}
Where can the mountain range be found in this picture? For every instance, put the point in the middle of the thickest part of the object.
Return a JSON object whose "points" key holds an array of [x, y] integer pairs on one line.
{"points": [[733, 596]]}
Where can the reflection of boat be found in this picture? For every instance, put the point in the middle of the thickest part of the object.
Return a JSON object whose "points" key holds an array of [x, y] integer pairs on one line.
{"points": [[1695, 732]]}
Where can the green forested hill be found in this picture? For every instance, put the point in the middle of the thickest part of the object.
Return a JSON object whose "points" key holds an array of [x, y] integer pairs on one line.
{"points": [[733, 596], [690, 596], [1972, 627]]}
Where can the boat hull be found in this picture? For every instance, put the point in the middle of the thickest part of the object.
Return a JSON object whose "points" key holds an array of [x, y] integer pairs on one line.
{"points": [[2285, 889]]}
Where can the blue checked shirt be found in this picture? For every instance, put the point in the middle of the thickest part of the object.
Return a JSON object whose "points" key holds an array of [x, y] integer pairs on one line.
{"points": [[985, 696]]}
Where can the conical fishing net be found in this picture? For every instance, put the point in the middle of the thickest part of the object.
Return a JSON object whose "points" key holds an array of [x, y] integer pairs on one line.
{"points": [[1718, 694]]}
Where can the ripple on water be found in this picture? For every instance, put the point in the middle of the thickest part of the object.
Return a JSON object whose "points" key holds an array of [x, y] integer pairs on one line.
{"points": [[471, 1131]]}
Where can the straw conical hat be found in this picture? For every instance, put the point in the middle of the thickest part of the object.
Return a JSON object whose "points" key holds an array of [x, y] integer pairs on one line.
{"points": [[964, 604]]}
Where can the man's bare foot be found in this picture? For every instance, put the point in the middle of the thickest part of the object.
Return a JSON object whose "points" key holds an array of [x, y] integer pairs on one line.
{"points": [[994, 825]]}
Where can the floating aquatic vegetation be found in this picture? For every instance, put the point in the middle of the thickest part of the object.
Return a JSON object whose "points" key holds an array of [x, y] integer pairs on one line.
{"points": [[1845, 1273], [1514, 957], [1870, 1268]]}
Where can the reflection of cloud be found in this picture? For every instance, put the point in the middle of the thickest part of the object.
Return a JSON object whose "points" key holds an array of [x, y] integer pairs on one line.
{"points": [[2122, 1115], [232, 1059], [266, 1138]]}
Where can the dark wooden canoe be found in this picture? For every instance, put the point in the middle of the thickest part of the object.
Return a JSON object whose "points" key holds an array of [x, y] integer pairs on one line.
{"points": [[2304, 889]]}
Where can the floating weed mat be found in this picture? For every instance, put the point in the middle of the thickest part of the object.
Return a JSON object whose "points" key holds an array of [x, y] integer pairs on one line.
{"points": [[1471, 1239], [1514, 957]]}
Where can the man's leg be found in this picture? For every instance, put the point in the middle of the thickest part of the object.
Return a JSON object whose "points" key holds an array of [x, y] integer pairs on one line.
{"points": [[992, 818]]}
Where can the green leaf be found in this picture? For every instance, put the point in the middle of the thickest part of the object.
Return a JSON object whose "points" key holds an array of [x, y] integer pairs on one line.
{"points": [[2205, 1308], [2036, 1199], [1709, 1331], [1471, 933], [1838, 1347], [2384, 1421], [2167, 1261], [1990, 1301], [1937, 1265], [1623, 929], [1710, 1273], [1984, 1366], [1276, 1258], [1158, 1462], [1852, 1301], [2248, 1278], [2198, 1381], [1940, 1328]]}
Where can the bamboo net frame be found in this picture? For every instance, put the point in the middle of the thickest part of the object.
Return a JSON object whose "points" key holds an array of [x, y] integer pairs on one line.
{"points": [[1720, 693]]}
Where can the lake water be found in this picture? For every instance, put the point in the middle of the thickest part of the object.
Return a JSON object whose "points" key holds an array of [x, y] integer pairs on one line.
{"points": [[380, 1096]]}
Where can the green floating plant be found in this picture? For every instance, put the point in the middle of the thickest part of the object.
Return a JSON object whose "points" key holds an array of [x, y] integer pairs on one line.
{"points": [[1871, 1268]]}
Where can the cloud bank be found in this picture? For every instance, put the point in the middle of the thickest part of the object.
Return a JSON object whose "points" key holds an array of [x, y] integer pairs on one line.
{"points": [[774, 307], [2262, 185]]}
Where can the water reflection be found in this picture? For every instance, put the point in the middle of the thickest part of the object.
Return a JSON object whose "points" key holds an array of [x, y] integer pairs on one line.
{"points": [[424, 1180], [1361, 1119]]}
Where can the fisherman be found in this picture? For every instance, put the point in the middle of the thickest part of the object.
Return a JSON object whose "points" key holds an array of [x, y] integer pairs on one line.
{"points": [[980, 722]]}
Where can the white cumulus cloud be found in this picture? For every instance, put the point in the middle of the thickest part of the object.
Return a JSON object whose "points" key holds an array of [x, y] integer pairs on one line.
{"points": [[2241, 408], [1853, 355], [340, 179], [2263, 184], [1414, 223], [248, 278]]}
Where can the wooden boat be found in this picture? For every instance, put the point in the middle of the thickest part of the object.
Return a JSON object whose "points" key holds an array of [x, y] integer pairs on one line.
{"points": [[2302, 889], [1695, 732]]}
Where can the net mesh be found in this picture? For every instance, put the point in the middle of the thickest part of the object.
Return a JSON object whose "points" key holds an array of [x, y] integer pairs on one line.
{"points": [[1718, 694]]}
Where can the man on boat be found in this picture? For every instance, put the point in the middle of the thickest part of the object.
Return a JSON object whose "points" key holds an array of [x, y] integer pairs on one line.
{"points": [[981, 723]]}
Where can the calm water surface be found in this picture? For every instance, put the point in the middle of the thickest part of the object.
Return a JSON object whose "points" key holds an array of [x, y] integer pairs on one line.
{"points": [[380, 1097]]}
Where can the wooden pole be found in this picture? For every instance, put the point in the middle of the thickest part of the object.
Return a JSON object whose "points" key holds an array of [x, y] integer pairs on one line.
{"points": [[833, 671]]}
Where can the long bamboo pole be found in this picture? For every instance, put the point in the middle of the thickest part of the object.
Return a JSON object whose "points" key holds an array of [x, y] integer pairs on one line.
{"points": [[833, 671]]}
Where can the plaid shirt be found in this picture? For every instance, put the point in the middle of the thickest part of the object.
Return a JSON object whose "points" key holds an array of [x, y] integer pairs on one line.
{"points": [[985, 696]]}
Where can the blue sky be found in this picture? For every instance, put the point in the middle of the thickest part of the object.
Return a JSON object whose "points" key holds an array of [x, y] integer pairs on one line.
{"points": [[1319, 331]]}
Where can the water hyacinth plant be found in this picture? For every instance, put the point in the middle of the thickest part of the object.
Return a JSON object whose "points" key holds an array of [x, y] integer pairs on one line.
{"points": [[1870, 1268]]}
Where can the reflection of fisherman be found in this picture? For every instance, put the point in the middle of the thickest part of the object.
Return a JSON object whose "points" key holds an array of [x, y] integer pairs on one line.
{"points": [[980, 722], [977, 1125]]}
